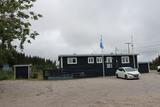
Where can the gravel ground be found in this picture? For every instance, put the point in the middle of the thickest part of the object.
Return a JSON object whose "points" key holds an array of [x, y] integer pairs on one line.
{"points": [[92, 92]]}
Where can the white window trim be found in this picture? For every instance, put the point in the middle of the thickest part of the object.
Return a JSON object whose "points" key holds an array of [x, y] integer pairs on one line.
{"points": [[91, 60], [109, 59], [70, 60], [124, 61], [61, 62], [99, 59]]}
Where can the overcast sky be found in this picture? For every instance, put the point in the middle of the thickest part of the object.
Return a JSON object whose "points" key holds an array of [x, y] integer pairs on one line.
{"points": [[75, 26]]}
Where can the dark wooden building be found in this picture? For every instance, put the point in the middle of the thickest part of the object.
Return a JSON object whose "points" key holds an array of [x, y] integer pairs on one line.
{"points": [[144, 67], [91, 64], [22, 71]]}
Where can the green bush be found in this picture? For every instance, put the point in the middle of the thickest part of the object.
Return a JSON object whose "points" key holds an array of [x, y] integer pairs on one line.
{"points": [[4, 75]]}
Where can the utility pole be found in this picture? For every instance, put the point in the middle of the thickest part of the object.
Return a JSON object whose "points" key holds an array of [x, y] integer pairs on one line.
{"points": [[128, 43], [132, 45]]}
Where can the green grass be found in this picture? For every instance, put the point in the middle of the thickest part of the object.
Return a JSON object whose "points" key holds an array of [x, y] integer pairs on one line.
{"points": [[6, 75]]}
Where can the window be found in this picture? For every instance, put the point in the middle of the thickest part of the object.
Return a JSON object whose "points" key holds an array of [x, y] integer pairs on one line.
{"points": [[90, 60], [125, 59], [99, 59], [120, 69], [109, 62], [108, 59], [71, 60], [109, 65]]}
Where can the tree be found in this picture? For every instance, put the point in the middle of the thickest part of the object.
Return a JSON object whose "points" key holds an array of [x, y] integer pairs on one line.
{"points": [[15, 17], [155, 63]]}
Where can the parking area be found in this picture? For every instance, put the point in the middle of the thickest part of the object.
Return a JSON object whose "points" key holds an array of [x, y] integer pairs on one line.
{"points": [[91, 92]]}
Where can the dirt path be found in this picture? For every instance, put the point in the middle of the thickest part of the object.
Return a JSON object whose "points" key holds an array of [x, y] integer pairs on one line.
{"points": [[93, 92]]}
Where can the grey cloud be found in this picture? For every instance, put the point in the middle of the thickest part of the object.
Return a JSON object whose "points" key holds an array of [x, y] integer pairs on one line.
{"points": [[81, 22]]}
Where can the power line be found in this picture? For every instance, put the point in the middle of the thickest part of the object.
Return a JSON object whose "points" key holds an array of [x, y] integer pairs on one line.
{"points": [[149, 41], [152, 45]]}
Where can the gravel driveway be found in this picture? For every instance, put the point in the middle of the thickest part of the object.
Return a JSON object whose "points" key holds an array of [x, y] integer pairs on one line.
{"points": [[92, 92]]}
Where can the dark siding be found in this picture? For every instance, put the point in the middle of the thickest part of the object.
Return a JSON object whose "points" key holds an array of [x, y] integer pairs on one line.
{"points": [[95, 69], [82, 66]]}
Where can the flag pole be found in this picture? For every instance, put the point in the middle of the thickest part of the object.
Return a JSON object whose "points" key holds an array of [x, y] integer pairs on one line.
{"points": [[101, 46], [103, 64]]}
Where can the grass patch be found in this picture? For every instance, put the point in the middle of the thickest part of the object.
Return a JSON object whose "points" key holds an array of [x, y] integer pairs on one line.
{"points": [[6, 75]]}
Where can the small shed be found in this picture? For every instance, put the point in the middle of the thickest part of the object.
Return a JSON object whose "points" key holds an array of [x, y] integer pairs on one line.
{"points": [[22, 71], [143, 67]]}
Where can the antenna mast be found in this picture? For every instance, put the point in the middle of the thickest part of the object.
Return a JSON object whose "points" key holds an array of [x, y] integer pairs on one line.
{"points": [[128, 43]]}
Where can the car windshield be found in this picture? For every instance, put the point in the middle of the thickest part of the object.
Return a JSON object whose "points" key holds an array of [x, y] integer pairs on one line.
{"points": [[129, 69]]}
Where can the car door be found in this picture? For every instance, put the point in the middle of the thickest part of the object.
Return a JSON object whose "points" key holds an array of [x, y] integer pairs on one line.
{"points": [[120, 72], [123, 73]]}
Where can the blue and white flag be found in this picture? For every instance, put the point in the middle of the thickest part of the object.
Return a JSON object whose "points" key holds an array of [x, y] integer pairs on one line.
{"points": [[101, 43]]}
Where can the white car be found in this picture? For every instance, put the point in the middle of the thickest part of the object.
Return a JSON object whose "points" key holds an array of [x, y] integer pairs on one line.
{"points": [[127, 73], [158, 68]]}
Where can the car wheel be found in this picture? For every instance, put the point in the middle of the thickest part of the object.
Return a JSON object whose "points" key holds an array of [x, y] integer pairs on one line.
{"points": [[126, 77], [117, 76]]}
